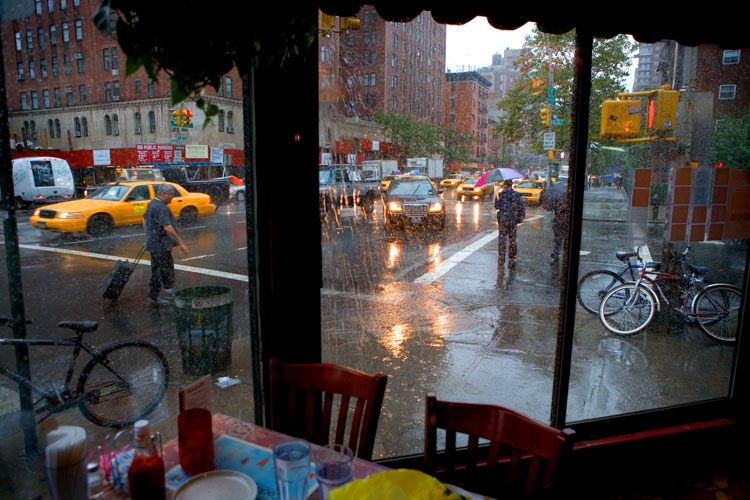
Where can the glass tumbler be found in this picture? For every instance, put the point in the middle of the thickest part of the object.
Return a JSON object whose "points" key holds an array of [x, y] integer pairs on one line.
{"points": [[195, 440], [291, 461], [333, 467]]}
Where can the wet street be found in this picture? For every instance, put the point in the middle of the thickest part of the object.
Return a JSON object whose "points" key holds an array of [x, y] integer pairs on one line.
{"points": [[427, 308]]}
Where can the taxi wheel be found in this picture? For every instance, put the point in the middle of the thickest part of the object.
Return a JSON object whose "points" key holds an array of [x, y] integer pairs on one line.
{"points": [[188, 216], [99, 225]]}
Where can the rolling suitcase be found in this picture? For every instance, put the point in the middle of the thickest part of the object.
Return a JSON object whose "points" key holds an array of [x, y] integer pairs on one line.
{"points": [[119, 277]]}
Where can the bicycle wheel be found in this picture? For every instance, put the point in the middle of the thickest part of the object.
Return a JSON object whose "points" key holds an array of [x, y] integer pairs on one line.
{"points": [[717, 309], [593, 286], [124, 383], [625, 310]]}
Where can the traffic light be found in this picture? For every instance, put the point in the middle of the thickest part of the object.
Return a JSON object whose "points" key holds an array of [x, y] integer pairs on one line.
{"points": [[348, 23], [621, 118], [662, 110], [545, 116], [187, 118], [177, 118]]}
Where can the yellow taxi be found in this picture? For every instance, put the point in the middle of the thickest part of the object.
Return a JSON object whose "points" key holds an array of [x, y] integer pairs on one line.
{"points": [[387, 181], [530, 190], [454, 180], [467, 189], [118, 204]]}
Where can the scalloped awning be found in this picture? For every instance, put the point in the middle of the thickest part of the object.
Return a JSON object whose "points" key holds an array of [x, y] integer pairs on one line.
{"points": [[699, 24]]}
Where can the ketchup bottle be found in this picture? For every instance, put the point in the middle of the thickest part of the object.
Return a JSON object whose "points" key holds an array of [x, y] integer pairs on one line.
{"points": [[146, 473]]}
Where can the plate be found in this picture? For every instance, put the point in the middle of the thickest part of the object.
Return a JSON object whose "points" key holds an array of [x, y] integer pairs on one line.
{"points": [[218, 485], [460, 491]]}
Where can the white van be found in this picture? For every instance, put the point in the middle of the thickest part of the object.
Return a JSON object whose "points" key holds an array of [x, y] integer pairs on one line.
{"points": [[42, 179]]}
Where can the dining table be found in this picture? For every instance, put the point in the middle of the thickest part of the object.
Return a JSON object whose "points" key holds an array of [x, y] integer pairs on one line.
{"points": [[247, 448]]}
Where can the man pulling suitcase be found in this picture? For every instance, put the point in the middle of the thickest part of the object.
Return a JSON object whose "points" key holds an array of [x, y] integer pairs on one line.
{"points": [[161, 237]]}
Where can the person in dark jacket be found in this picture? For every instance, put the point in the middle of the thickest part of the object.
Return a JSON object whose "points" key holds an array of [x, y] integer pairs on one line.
{"points": [[511, 209], [554, 198]]}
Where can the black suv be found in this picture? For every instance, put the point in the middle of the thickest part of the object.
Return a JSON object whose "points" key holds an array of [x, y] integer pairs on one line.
{"points": [[414, 201]]}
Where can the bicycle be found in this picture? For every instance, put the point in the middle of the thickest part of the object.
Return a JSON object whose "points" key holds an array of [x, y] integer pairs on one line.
{"points": [[121, 383], [628, 308], [594, 285]]}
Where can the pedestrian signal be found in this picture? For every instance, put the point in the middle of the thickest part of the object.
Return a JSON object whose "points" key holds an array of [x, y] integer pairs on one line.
{"points": [[621, 118], [662, 110]]}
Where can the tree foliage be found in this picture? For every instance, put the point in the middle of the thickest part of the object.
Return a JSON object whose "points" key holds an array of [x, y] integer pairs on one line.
{"points": [[416, 138], [195, 44], [730, 144], [542, 54]]}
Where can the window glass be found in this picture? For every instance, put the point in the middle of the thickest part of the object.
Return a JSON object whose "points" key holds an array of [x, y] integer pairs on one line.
{"points": [[662, 186], [42, 173]]}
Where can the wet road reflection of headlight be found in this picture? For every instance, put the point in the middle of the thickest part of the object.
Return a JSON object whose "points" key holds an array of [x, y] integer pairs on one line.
{"points": [[395, 206]]}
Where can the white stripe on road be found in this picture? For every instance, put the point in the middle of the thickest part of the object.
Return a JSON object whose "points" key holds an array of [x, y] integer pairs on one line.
{"points": [[179, 267], [448, 264]]}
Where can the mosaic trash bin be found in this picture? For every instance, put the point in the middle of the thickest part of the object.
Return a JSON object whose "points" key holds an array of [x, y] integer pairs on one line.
{"points": [[204, 328]]}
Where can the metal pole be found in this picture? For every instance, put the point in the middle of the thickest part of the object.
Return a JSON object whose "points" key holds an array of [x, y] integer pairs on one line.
{"points": [[13, 263]]}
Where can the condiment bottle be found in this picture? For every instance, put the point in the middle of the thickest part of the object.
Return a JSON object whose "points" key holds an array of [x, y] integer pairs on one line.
{"points": [[146, 473]]}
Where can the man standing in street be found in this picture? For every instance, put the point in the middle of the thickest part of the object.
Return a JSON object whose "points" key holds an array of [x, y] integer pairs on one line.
{"points": [[555, 199], [161, 237], [511, 209]]}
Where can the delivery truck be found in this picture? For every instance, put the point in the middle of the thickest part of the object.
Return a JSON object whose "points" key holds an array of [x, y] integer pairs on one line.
{"points": [[42, 179], [432, 168]]}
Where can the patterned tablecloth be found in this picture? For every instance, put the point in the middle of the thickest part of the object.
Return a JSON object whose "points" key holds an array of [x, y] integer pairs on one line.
{"points": [[242, 447]]}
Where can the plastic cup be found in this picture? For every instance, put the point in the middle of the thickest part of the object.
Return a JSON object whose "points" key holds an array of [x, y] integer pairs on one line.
{"points": [[333, 467], [291, 461], [195, 440]]}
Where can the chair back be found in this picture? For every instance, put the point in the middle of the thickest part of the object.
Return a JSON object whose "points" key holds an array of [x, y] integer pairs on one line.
{"points": [[528, 451], [305, 395]]}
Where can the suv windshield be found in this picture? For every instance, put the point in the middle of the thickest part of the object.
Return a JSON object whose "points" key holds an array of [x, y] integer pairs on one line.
{"points": [[412, 188]]}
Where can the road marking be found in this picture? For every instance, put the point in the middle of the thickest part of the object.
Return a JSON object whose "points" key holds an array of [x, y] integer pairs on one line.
{"points": [[448, 264], [199, 257], [179, 267]]}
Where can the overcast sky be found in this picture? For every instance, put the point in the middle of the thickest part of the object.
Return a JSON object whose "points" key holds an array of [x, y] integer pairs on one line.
{"points": [[474, 43]]}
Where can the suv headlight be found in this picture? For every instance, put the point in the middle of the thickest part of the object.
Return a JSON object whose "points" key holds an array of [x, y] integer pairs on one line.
{"points": [[436, 207], [395, 206]]}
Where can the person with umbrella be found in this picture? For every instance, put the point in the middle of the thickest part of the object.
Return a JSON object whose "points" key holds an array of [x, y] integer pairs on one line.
{"points": [[511, 209], [555, 199]]}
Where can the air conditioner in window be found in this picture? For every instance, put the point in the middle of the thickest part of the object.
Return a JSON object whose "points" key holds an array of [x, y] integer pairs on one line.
{"points": [[115, 132], [78, 133], [114, 72], [138, 130], [116, 98], [230, 130]]}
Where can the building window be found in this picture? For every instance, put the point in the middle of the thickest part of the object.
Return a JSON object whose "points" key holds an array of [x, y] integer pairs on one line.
{"points": [[107, 125], [116, 90], [40, 36], [138, 87], [57, 128], [229, 87], [221, 121], [82, 94], [38, 7], [727, 92], [108, 91], [151, 122], [43, 67], [20, 71], [52, 35], [79, 62], [29, 40], [731, 57], [24, 104], [85, 127], [45, 98], [151, 88], [115, 58], [50, 6], [66, 62], [77, 127], [18, 42], [79, 30], [58, 99], [63, 4], [34, 100], [105, 58], [32, 71], [115, 125], [137, 122], [65, 33], [69, 95], [230, 122], [51, 129]]}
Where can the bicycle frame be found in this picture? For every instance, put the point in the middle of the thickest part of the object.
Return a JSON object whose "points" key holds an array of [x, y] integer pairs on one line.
{"points": [[56, 399]]}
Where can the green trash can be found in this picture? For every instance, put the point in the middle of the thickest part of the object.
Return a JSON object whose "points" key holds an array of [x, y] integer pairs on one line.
{"points": [[204, 328]]}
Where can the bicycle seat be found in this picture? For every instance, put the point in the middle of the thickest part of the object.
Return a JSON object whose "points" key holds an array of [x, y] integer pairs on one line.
{"points": [[79, 326], [623, 256], [698, 269]]}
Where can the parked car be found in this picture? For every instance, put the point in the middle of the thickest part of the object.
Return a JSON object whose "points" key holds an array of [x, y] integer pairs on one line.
{"points": [[414, 201], [530, 190], [453, 180], [118, 204], [467, 190], [236, 188]]}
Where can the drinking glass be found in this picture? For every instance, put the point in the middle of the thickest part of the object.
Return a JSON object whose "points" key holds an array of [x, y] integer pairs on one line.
{"points": [[195, 441], [333, 467], [291, 462]]}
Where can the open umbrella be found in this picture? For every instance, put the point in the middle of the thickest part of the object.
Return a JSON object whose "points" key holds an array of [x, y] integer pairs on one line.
{"points": [[498, 175]]}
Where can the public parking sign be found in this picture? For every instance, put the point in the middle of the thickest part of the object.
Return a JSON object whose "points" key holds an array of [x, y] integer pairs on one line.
{"points": [[549, 141]]}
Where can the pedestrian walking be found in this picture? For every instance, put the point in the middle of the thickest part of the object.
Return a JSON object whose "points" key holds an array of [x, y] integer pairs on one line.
{"points": [[511, 209], [555, 199], [161, 237]]}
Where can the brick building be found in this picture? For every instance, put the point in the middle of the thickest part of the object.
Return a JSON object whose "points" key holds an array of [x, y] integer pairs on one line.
{"points": [[724, 74], [466, 108], [66, 90]]}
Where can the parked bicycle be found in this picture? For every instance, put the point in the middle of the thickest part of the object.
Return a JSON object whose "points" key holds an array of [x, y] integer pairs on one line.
{"points": [[594, 285], [628, 308], [121, 383]]}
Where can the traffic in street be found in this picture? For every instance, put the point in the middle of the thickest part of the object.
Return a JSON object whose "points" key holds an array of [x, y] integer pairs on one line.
{"points": [[425, 303]]}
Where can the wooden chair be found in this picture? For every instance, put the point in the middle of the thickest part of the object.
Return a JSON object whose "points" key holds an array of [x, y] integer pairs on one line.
{"points": [[302, 402], [529, 450]]}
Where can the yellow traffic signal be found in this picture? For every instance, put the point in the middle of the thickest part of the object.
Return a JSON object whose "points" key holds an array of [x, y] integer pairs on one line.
{"points": [[545, 116], [348, 23], [621, 118], [177, 118], [187, 118], [662, 110]]}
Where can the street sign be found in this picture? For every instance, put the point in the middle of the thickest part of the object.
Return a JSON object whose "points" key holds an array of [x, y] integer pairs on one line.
{"points": [[173, 141], [551, 93], [549, 141], [558, 122], [183, 138]]}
